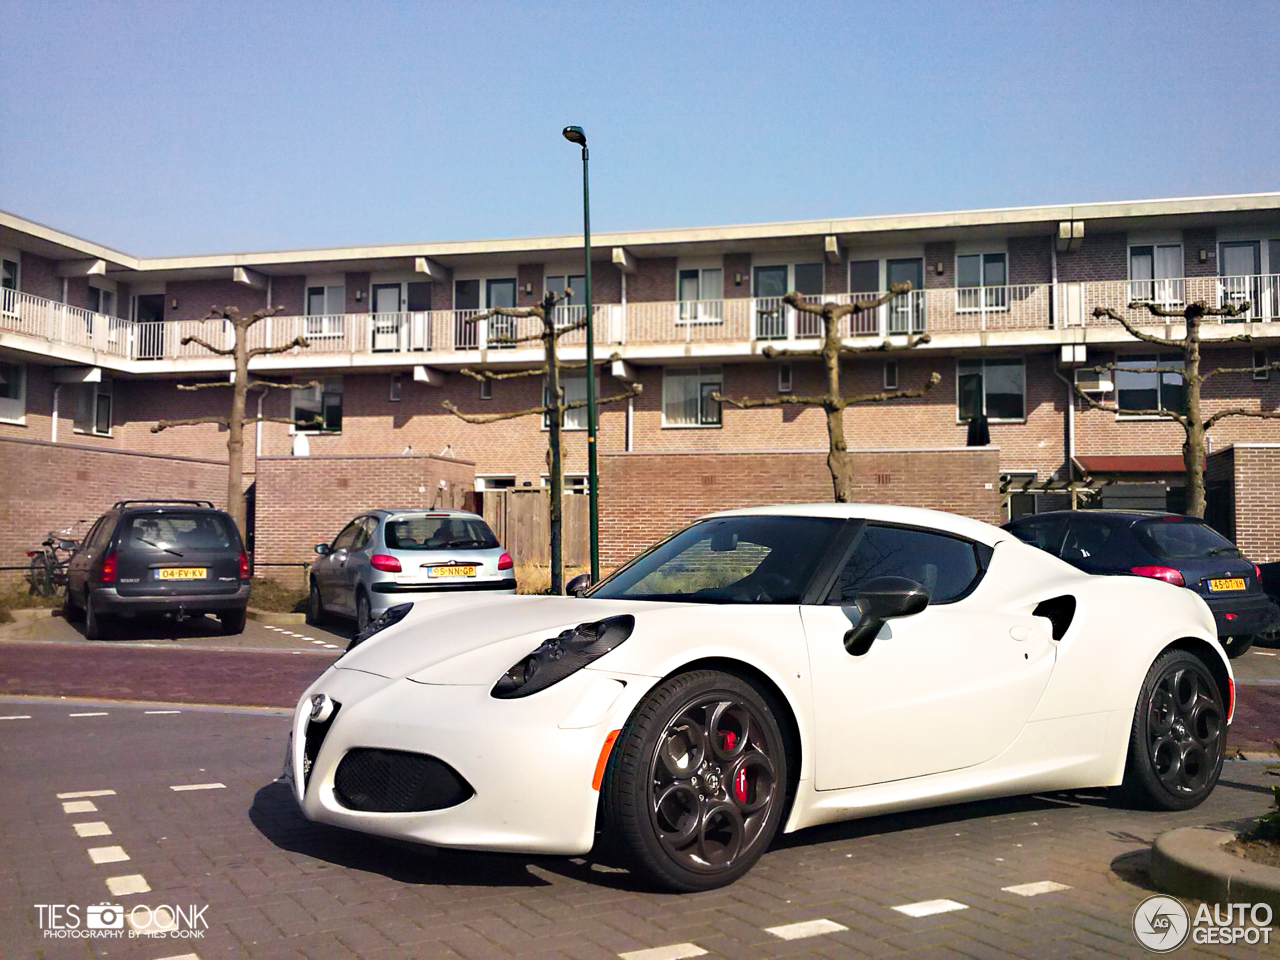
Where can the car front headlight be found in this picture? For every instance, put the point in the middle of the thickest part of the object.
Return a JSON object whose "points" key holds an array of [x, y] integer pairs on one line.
{"points": [[388, 618], [562, 656]]}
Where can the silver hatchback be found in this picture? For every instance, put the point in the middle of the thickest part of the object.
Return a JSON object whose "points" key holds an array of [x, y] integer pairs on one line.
{"points": [[385, 557]]}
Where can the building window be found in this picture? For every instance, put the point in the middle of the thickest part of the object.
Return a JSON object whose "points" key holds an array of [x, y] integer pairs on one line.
{"points": [[8, 275], [700, 293], [982, 282], [891, 374], [505, 482], [102, 301], [784, 378], [325, 308], [393, 394], [13, 392], [1260, 368], [1155, 273], [569, 311], [574, 386], [1141, 390], [486, 389], [686, 396], [993, 388], [93, 408], [318, 409]]}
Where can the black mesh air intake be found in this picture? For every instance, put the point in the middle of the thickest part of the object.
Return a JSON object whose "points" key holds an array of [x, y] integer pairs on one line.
{"points": [[313, 738], [1060, 611], [395, 781]]}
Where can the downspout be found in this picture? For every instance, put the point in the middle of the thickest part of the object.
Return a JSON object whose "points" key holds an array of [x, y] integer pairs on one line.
{"points": [[53, 433], [257, 443], [1071, 393]]}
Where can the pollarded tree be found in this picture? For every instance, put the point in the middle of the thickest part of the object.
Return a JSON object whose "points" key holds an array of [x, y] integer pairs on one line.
{"points": [[1192, 419], [554, 409], [833, 350], [240, 386]]}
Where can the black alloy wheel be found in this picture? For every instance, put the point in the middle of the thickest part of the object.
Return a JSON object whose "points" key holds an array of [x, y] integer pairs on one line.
{"points": [[1179, 735], [315, 606], [363, 616], [697, 782]]}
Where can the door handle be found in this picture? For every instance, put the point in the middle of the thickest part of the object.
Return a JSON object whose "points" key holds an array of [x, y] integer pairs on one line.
{"points": [[1021, 632]]}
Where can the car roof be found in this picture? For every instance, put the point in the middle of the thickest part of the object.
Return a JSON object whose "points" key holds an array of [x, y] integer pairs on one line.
{"points": [[886, 513], [1130, 515], [435, 511]]}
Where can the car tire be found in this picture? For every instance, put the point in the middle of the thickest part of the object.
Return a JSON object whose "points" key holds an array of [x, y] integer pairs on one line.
{"points": [[696, 784], [316, 615], [233, 622], [96, 626], [1178, 738], [71, 611], [363, 615], [1237, 646]]}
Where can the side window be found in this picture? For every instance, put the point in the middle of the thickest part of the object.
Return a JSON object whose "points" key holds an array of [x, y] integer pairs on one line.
{"points": [[347, 538], [947, 566], [1085, 539], [87, 542], [102, 534], [1045, 534], [365, 533]]}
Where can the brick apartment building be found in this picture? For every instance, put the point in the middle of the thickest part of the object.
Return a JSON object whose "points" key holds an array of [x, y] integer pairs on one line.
{"points": [[91, 353]]}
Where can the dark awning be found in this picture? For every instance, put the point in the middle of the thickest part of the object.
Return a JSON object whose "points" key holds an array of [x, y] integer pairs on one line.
{"points": [[1132, 463]]}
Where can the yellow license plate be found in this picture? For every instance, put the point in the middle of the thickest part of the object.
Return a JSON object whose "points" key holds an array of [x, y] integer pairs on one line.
{"points": [[1232, 583], [451, 571], [181, 573]]}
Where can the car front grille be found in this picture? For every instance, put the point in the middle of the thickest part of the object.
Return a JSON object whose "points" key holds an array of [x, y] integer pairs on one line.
{"points": [[396, 781], [312, 740]]}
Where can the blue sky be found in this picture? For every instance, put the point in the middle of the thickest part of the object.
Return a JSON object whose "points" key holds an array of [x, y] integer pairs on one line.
{"points": [[186, 127]]}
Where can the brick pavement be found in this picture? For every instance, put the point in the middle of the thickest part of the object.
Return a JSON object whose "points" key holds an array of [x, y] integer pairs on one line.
{"points": [[278, 886]]}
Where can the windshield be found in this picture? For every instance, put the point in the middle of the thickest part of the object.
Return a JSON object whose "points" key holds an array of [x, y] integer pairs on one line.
{"points": [[179, 531], [755, 559], [1184, 540], [438, 533]]}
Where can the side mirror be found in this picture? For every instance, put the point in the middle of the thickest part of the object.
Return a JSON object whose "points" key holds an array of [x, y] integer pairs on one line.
{"points": [[322, 549], [67, 544], [878, 600], [579, 585]]}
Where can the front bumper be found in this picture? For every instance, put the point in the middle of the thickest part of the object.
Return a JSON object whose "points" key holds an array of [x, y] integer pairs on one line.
{"points": [[531, 774], [1251, 614], [385, 595], [107, 599]]}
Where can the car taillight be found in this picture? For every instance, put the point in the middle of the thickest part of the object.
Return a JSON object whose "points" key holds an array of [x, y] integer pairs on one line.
{"points": [[1258, 570], [244, 565], [1167, 574], [108, 574], [505, 562], [384, 562]]}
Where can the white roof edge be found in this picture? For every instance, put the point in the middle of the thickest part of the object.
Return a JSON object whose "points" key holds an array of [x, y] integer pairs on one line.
{"points": [[994, 216], [915, 516]]}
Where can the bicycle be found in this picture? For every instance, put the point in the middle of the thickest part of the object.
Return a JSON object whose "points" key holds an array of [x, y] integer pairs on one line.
{"points": [[47, 572]]}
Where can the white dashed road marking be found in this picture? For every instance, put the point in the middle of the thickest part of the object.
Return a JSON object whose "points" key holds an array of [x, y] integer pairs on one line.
{"points": [[321, 642], [93, 828], [1261, 653], [133, 883], [198, 786], [100, 713], [107, 854], [81, 794], [154, 712], [677, 951], [22, 716], [1035, 889], [927, 908], [809, 928], [79, 806], [301, 637], [331, 646], [184, 956]]}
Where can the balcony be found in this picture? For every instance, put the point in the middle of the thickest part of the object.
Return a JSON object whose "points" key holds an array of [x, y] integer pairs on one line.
{"points": [[455, 336]]}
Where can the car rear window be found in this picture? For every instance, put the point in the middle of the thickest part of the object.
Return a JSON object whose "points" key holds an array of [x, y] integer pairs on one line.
{"points": [[1183, 540], [438, 533], [179, 531]]}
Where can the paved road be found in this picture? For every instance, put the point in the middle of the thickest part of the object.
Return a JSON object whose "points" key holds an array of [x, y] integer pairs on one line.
{"points": [[276, 886]]}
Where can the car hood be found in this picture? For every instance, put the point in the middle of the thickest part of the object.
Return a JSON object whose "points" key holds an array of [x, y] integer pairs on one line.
{"points": [[475, 641]]}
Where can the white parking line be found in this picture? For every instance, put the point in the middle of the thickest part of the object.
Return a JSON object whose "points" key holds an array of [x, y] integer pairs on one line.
{"points": [[321, 642], [1035, 889], [79, 806], [301, 637], [1264, 653], [81, 794], [676, 951], [157, 712], [133, 883], [331, 646], [198, 786], [927, 908], [99, 713], [107, 854], [184, 956], [92, 828], [809, 928], [21, 716]]}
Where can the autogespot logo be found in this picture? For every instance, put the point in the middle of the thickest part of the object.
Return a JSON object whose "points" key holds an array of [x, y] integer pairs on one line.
{"points": [[1161, 924]]}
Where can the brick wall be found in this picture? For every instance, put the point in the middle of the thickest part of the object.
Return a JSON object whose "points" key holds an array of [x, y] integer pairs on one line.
{"points": [[39, 277], [289, 293], [1030, 260], [645, 497], [606, 282], [735, 263], [357, 283], [530, 273], [195, 297], [933, 254], [302, 501], [1192, 242], [654, 280], [1256, 493], [48, 486], [1101, 256]]}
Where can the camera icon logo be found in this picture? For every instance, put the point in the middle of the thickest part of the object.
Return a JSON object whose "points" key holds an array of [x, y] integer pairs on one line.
{"points": [[104, 916]]}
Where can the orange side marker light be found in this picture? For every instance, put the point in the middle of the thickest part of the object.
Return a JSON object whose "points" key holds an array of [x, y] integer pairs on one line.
{"points": [[604, 759]]}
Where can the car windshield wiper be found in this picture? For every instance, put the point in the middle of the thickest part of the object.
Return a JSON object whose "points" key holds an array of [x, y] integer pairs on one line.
{"points": [[1219, 551], [152, 543], [465, 543]]}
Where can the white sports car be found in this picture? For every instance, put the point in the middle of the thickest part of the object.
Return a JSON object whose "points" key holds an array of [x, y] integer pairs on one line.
{"points": [[764, 669]]}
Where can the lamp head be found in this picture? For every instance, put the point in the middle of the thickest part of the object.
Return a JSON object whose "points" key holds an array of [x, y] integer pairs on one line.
{"points": [[575, 135]]}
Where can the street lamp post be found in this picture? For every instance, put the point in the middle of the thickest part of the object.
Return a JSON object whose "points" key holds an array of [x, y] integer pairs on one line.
{"points": [[576, 135]]}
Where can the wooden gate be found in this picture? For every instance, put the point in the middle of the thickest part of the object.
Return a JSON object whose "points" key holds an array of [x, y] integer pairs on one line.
{"points": [[520, 518]]}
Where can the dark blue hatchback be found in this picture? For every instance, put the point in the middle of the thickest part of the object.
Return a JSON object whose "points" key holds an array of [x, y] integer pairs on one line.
{"points": [[1184, 551]]}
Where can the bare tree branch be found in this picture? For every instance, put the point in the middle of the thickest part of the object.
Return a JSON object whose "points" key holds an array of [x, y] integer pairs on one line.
{"points": [[1241, 412], [1218, 370], [1099, 405], [485, 375], [190, 422], [1100, 312], [290, 420], [786, 399], [635, 391], [208, 346], [933, 381], [885, 346], [298, 341], [797, 302], [771, 352], [206, 386], [272, 385]]}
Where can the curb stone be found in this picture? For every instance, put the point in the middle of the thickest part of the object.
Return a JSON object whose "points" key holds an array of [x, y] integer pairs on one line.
{"points": [[1190, 861], [268, 616]]}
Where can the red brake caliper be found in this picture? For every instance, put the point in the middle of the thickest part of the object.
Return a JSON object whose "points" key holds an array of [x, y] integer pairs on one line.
{"points": [[740, 785]]}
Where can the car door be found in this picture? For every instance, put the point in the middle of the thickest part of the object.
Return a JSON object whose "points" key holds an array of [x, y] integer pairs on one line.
{"points": [[947, 688], [357, 561], [78, 565], [328, 570]]}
